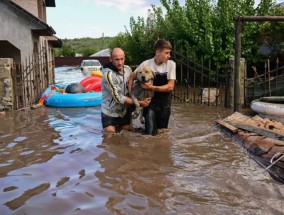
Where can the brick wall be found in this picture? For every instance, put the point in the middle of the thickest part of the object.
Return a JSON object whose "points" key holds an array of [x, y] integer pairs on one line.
{"points": [[28, 5]]}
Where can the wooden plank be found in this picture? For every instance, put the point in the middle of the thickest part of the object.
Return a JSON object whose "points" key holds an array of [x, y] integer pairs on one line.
{"points": [[233, 129], [258, 130]]}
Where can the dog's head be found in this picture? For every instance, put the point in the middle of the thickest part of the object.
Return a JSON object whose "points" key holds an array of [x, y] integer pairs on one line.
{"points": [[145, 74]]}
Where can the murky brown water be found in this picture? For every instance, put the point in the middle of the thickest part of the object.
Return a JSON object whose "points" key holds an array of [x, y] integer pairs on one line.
{"points": [[58, 161]]}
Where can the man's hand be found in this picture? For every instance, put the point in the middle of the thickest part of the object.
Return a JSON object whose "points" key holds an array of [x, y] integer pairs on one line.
{"points": [[145, 102], [147, 86]]}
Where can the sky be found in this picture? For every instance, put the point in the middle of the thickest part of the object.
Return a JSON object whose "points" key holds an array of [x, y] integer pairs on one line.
{"points": [[97, 18]]}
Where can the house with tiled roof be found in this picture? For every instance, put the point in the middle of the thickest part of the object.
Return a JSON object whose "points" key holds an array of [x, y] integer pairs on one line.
{"points": [[27, 44]]}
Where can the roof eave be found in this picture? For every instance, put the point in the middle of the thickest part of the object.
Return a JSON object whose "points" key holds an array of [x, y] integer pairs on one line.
{"points": [[55, 41], [42, 32], [45, 27]]}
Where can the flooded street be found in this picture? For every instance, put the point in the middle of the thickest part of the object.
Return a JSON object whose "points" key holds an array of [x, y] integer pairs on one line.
{"points": [[58, 161]]}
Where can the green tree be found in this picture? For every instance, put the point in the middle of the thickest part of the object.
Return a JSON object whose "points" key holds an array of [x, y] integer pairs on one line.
{"points": [[67, 51], [86, 46], [139, 40], [202, 28], [271, 33], [86, 52]]}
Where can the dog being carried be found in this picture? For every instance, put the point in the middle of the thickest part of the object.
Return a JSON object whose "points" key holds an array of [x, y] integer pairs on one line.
{"points": [[143, 75]]}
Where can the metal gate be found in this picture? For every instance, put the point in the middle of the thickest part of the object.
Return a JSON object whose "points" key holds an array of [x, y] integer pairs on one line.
{"points": [[267, 82], [30, 79], [198, 83]]}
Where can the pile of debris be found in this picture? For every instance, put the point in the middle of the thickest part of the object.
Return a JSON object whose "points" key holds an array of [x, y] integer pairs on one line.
{"points": [[262, 137]]}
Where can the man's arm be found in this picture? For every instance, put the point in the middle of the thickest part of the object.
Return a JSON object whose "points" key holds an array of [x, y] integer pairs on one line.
{"points": [[143, 103], [114, 88], [128, 101], [164, 88], [131, 79]]}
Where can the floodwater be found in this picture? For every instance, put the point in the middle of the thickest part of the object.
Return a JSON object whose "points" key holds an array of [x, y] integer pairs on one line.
{"points": [[58, 161]]}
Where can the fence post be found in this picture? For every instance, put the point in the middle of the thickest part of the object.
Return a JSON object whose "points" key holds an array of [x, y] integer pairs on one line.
{"points": [[277, 64], [202, 66], [265, 73], [238, 30], [187, 74], [209, 81], [268, 70], [244, 82], [254, 84], [228, 86], [217, 96], [232, 91], [201, 80], [181, 65]]}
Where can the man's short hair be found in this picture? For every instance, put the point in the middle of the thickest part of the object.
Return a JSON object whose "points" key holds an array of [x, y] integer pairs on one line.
{"points": [[112, 50], [162, 44]]}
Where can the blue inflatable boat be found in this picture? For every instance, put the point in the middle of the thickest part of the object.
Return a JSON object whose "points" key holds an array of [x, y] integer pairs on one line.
{"points": [[54, 96]]}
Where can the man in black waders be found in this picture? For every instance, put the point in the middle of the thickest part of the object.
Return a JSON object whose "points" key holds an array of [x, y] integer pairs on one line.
{"points": [[157, 114]]}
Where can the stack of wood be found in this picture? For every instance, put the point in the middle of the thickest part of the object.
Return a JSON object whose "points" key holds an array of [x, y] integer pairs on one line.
{"points": [[262, 137]]}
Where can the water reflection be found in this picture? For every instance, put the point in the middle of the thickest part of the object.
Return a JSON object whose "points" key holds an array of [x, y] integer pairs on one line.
{"points": [[68, 75], [58, 161], [142, 164], [23, 142]]}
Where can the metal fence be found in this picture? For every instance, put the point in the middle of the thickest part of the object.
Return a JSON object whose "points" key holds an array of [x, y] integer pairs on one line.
{"points": [[197, 82], [269, 82], [31, 78]]}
